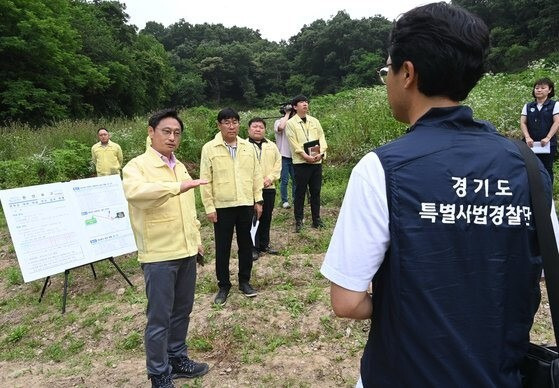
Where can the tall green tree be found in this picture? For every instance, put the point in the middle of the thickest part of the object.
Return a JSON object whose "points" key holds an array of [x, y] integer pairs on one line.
{"points": [[42, 70], [331, 49], [521, 30], [137, 66]]}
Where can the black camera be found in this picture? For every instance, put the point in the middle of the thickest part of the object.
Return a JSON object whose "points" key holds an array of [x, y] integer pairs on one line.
{"points": [[285, 107]]}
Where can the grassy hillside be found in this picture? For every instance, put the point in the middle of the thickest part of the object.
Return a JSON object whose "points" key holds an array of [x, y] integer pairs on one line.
{"points": [[285, 337]]}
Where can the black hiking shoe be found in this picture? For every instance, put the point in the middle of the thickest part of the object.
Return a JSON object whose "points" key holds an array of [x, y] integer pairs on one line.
{"points": [[184, 367], [318, 224], [247, 290], [221, 296], [161, 381]]}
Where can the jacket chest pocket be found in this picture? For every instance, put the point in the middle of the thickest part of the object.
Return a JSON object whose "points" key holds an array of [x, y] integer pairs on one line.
{"points": [[246, 161], [222, 165]]}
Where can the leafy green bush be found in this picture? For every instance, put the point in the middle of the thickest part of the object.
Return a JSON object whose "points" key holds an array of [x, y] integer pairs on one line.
{"points": [[33, 170], [73, 161]]}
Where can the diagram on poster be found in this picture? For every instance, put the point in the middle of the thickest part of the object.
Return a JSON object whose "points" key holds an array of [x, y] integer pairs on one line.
{"points": [[59, 226]]}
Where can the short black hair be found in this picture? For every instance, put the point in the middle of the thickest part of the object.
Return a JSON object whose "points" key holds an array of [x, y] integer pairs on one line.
{"points": [[447, 45], [102, 128], [227, 113], [545, 81], [156, 118], [257, 120], [298, 99]]}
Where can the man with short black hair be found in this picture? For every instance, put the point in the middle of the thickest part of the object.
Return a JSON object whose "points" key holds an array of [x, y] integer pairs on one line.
{"points": [[232, 196], [160, 196], [308, 149], [270, 161], [440, 221], [106, 154]]}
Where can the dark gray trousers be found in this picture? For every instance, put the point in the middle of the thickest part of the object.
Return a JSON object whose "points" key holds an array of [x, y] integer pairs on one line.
{"points": [[170, 292]]}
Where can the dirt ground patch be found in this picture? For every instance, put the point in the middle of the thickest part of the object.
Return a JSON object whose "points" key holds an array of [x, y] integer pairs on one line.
{"points": [[287, 336]]}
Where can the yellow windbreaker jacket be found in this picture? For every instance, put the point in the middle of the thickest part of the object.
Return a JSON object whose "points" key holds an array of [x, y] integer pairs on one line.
{"points": [[231, 181], [270, 161], [164, 221], [299, 133], [108, 159]]}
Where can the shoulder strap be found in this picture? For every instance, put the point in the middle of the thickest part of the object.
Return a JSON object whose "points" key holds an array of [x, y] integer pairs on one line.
{"points": [[544, 230]]}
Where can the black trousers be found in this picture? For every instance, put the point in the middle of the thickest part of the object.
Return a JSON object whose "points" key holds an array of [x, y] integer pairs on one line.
{"points": [[262, 240], [547, 160], [229, 218], [307, 175]]}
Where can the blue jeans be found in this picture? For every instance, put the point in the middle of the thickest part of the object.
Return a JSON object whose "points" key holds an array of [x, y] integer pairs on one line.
{"points": [[286, 172]]}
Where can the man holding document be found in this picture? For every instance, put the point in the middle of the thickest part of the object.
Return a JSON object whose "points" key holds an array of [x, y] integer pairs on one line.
{"points": [[308, 148]]}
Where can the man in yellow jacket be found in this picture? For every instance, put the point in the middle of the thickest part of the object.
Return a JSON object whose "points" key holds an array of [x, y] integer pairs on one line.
{"points": [[160, 196], [270, 161], [308, 149], [106, 155], [231, 197]]}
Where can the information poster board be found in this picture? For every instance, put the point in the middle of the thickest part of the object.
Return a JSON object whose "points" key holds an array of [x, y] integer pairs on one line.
{"points": [[58, 226]]}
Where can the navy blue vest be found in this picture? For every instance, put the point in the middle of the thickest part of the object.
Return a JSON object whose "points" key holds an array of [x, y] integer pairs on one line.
{"points": [[539, 121], [455, 297]]}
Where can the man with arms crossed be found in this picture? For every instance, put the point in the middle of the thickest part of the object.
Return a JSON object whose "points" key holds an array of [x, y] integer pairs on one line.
{"points": [[231, 197], [160, 196], [106, 155], [440, 221]]}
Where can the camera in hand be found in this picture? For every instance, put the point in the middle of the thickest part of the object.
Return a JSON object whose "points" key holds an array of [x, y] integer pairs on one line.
{"points": [[285, 107]]}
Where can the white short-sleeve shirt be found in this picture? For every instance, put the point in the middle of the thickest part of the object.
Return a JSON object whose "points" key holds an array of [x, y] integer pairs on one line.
{"points": [[539, 106], [361, 236]]}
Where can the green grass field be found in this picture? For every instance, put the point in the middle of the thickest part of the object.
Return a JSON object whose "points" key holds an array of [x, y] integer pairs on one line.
{"points": [[286, 337]]}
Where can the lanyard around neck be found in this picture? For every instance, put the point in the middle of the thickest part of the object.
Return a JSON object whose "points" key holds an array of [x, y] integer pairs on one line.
{"points": [[305, 130], [258, 150]]}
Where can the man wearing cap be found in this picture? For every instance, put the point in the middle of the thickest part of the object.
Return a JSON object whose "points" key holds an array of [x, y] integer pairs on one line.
{"points": [[308, 149]]}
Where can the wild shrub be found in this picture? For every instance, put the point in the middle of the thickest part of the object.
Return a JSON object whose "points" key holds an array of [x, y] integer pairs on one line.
{"points": [[73, 161]]}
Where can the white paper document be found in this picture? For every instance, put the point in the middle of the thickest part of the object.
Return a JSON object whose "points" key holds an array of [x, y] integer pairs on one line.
{"points": [[253, 229], [538, 149], [60, 226]]}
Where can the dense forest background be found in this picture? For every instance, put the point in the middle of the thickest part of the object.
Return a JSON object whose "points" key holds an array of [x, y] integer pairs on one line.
{"points": [[82, 59]]}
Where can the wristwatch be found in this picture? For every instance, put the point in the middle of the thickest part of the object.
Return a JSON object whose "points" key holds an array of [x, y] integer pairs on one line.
{"points": [[259, 203]]}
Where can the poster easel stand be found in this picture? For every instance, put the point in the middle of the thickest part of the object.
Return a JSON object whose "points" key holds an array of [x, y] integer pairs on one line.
{"points": [[67, 272]]}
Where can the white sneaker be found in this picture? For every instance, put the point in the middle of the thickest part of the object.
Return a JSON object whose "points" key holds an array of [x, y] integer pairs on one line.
{"points": [[286, 205]]}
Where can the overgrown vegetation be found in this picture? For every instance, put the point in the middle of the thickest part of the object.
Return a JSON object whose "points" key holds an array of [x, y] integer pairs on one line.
{"points": [[355, 121]]}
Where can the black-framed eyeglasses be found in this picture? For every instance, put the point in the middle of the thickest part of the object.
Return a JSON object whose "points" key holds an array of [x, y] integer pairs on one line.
{"points": [[383, 73], [167, 132], [230, 123]]}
